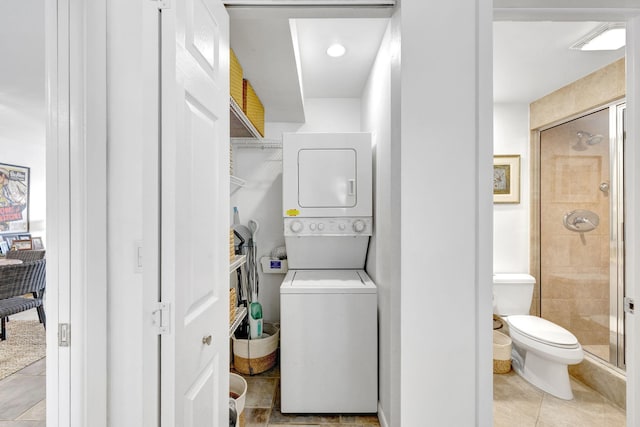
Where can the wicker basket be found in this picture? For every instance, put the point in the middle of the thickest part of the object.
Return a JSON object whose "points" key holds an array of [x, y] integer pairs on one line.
{"points": [[232, 305], [232, 249], [501, 353], [255, 356], [235, 78], [252, 107]]}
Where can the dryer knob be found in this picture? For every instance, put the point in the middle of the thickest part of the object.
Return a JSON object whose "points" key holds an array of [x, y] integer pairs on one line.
{"points": [[312, 226], [359, 226], [296, 226], [321, 226], [342, 227]]}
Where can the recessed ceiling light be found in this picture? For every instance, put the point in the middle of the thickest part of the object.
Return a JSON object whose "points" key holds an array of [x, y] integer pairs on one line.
{"points": [[336, 50], [605, 37]]}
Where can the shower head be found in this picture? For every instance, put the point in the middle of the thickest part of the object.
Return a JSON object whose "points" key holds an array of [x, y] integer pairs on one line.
{"points": [[585, 139], [589, 138]]}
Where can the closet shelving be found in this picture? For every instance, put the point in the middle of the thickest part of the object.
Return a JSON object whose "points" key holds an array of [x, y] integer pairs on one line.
{"points": [[241, 311], [237, 262], [241, 126]]}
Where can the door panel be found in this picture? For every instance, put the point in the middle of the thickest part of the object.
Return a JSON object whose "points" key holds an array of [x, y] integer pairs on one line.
{"points": [[327, 178], [194, 217]]}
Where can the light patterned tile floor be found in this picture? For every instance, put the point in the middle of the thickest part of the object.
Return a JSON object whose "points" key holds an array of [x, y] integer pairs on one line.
{"points": [[23, 397], [518, 403], [262, 407]]}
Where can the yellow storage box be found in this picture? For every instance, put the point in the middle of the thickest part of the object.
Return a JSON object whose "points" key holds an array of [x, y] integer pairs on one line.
{"points": [[236, 79], [252, 107]]}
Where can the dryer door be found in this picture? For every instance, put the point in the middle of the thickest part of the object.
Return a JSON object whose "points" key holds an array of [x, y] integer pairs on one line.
{"points": [[327, 178]]}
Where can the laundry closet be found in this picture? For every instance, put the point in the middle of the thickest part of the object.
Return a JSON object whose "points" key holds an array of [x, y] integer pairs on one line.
{"points": [[273, 47]]}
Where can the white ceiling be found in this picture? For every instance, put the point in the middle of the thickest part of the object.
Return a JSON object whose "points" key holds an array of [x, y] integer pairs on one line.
{"points": [[531, 59], [344, 77]]}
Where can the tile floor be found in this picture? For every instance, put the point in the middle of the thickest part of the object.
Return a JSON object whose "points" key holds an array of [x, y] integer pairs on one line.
{"points": [[515, 403], [518, 403], [23, 397], [262, 407]]}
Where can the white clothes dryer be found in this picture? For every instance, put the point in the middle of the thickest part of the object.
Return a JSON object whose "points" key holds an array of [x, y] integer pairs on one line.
{"points": [[327, 175]]}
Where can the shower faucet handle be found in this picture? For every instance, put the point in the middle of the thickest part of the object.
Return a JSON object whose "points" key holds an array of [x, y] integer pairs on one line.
{"points": [[581, 220]]}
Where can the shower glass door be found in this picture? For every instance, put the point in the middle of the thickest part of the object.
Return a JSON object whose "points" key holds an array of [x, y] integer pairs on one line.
{"points": [[581, 264]]}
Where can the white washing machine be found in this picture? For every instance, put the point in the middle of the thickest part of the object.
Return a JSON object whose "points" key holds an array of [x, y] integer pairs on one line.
{"points": [[328, 304], [328, 357]]}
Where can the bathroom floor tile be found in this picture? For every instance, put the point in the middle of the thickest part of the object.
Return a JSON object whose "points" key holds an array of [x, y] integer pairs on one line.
{"points": [[515, 400], [518, 403]]}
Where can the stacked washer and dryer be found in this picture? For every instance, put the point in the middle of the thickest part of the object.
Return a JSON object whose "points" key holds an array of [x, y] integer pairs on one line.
{"points": [[328, 303]]}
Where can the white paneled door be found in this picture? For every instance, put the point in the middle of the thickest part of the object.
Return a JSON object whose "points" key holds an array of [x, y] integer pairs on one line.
{"points": [[195, 213]]}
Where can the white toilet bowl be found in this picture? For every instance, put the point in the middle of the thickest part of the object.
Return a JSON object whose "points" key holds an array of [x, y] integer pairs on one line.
{"points": [[541, 352]]}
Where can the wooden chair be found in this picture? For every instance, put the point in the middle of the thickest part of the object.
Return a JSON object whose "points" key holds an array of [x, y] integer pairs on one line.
{"points": [[16, 281]]}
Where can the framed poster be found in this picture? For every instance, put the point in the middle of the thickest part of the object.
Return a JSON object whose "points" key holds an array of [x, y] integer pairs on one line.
{"points": [[506, 179], [14, 199]]}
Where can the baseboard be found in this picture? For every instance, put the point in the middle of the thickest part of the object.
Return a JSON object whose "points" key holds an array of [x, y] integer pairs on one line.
{"points": [[381, 417], [601, 377]]}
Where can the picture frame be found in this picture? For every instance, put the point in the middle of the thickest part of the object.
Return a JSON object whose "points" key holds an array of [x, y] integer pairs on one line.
{"points": [[14, 198], [9, 238], [36, 243], [506, 178], [22, 245]]}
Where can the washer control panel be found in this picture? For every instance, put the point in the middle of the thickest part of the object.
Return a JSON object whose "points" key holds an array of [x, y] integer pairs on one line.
{"points": [[352, 226]]}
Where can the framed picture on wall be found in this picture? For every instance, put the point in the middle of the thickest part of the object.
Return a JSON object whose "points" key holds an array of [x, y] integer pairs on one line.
{"points": [[14, 199], [506, 178]]}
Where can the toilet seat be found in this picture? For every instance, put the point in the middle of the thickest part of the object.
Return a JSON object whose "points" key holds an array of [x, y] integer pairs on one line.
{"points": [[543, 331]]}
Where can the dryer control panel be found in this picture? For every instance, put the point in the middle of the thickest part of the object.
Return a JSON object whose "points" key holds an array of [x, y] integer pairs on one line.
{"points": [[336, 227]]}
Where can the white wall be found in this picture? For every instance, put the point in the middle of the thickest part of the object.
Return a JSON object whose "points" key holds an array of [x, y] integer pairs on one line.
{"points": [[126, 139], [23, 113], [511, 221], [446, 213], [261, 197], [382, 261]]}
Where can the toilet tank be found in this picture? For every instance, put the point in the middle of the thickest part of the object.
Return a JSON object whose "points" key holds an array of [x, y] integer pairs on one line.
{"points": [[512, 293]]}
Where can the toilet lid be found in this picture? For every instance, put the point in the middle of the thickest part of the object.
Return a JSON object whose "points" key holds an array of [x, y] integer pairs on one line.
{"points": [[542, 330]]}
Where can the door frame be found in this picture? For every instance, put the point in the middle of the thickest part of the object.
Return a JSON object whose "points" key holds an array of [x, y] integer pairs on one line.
{"points": [[76, 211], [76, 46], [603, 10]]}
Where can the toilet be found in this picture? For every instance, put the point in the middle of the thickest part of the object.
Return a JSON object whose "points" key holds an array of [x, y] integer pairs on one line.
{"points": [[541, 349]]}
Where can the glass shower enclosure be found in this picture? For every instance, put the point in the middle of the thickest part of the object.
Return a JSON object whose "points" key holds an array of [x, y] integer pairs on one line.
{"points": [[581, 271]]}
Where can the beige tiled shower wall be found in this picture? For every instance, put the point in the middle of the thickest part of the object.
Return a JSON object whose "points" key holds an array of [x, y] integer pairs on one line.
{"points": [[574, 266], [597, 89]]}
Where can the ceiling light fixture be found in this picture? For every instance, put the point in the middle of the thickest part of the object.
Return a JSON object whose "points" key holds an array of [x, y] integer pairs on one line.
{"points": [[336, 50], [605, 37]]}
